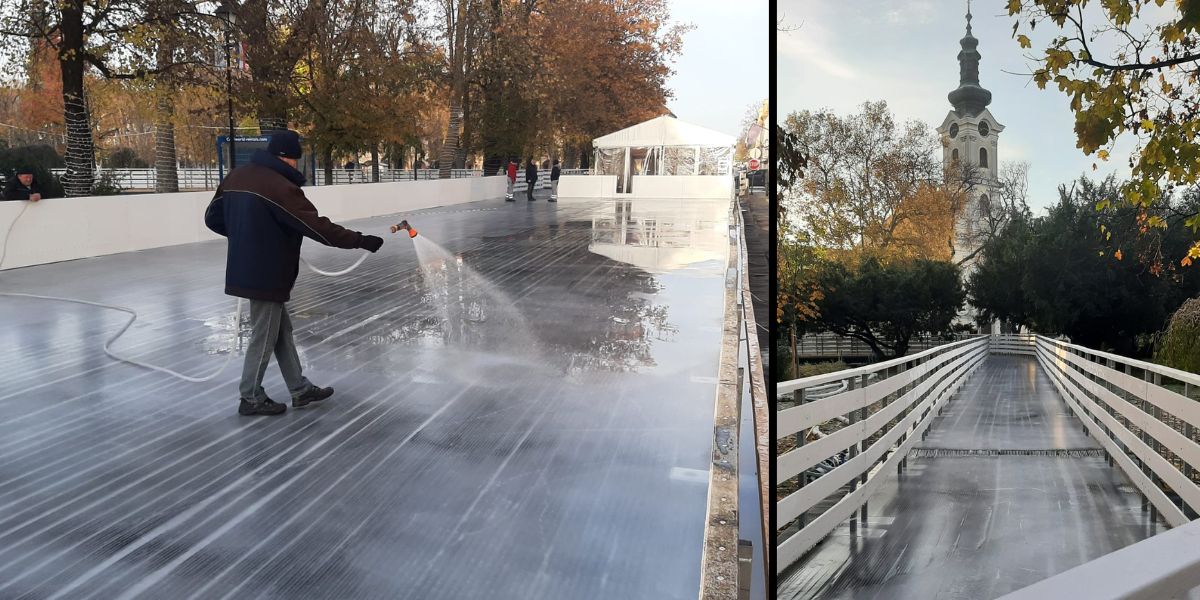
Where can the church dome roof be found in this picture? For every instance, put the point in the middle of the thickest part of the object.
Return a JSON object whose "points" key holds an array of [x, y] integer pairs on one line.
{"points": [[969, 98]]}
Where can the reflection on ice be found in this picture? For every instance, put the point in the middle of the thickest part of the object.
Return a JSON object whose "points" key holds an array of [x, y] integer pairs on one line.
{"points": [[570, 295], [662, 235]]}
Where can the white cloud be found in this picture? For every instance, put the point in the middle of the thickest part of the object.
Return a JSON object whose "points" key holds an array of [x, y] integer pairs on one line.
{"points": [[809, 45]]}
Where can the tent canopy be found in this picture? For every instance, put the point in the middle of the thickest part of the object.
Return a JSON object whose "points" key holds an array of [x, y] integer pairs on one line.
{"points": [[664, 131]]}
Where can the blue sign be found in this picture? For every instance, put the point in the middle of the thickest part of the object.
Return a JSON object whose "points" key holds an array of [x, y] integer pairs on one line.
{"points": [[245, 147]]}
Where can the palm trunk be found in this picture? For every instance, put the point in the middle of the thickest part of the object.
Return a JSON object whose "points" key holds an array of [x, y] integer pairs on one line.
{"points": [[450, 146], [81, 150], [166, 174]]}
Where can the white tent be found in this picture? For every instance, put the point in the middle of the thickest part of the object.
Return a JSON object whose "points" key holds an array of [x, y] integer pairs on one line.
{"points": [[663, 146], [664, 131]]}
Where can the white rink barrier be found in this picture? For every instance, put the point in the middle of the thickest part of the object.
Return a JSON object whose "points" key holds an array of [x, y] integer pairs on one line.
{"points": [[59, 229]]}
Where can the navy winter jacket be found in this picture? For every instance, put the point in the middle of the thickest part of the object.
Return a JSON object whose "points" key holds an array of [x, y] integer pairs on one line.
{"points": [[264, 213]]}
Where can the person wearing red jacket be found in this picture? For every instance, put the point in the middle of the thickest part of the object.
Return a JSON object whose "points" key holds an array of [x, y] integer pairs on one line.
{"points": [[512, 179]]}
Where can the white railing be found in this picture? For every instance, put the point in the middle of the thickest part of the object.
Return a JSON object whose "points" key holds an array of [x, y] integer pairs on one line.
{"points": [[1013, 344], [1164, 566], [873, 415], [1146, 416]]}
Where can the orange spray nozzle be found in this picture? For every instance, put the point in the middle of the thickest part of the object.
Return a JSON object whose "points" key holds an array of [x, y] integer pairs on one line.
{"points": [[412, 233]]}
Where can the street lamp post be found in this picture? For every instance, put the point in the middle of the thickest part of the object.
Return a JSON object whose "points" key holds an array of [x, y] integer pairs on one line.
{"points": [[227, 15]]}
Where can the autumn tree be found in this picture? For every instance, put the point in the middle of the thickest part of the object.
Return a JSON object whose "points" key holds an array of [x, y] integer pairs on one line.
{"points": [[876, 187], [101, 36], [1130, 69], [461, 34], [605, 66], [359, 83]]}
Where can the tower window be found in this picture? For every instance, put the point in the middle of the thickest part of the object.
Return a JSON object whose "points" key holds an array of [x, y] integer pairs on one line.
{"points": [[954, 155], [983, 157]]}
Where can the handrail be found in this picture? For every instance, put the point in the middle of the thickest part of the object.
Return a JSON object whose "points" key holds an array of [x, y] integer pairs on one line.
{"points": [[1163, 566], [1159, 453], [1145, 416], [889, 406], [787, 387], [1150, 430]]}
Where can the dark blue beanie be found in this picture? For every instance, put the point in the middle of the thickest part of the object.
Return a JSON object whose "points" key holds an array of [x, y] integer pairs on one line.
{"points": [[285, 144]]}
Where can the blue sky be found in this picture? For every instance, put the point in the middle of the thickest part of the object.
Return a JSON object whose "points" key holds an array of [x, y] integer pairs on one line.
{"points": [[840, 54], [725, 63]]}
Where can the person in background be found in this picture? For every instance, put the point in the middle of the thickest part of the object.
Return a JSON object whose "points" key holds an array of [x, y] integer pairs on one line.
{"points": [[512, 178], [350, 171], [23, 187], [554, 173], [530, 178], [264, 213]]}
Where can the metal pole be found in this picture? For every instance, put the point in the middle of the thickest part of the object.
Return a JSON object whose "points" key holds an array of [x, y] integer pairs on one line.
{"points": [[229, 92]]}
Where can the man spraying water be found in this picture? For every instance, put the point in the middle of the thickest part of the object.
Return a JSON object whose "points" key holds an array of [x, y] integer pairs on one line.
{"points": [[263, 212]]}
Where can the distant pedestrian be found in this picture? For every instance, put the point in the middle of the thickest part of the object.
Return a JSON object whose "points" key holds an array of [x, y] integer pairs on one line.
{"points": [[512, 179], [530, 178], [350, 171], [554, 173], [22, 187]]}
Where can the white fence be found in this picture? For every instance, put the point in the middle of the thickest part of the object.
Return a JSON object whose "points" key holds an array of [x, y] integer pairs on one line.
{"points": [[1145, 416], [879, 412], [207, 178]]}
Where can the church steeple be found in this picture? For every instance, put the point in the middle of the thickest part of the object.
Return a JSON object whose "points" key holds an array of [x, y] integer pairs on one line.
{"points": [[969, 98]]}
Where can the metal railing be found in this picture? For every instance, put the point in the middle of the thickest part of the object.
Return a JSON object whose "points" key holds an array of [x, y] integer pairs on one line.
{"points": [[831, 345], [207, 178], [872, 415]]}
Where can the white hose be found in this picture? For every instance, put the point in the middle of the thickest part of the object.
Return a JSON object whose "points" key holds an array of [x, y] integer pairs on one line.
{"points": [[8, 234], [133, 314], [133, 317], [336, 273]]}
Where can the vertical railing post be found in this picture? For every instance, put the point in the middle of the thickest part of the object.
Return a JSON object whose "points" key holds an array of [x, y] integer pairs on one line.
{"points": [[854, 383]]}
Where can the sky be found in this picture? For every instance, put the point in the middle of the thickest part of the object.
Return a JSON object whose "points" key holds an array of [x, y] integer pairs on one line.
{"points": [[725, 63], [841, 54]]}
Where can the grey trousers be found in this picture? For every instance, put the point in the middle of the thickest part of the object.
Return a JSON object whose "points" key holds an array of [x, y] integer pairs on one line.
{"points": [[511, 184], [271, 333], [554, 188]]}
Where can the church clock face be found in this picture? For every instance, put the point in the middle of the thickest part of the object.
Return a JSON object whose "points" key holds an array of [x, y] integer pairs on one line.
{"points": [[954, 130], [984, 128]]}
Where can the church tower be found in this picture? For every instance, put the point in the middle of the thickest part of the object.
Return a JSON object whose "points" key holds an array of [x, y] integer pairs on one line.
{"points": [[969, 138]]}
